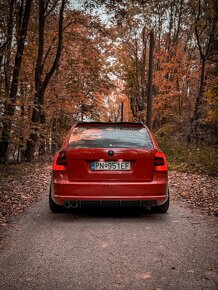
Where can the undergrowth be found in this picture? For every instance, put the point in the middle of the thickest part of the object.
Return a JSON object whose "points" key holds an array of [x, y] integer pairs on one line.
{"points": [[190, 157]]}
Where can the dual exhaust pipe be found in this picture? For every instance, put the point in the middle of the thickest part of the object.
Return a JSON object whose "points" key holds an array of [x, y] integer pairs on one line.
{"points": [[71, 204]]}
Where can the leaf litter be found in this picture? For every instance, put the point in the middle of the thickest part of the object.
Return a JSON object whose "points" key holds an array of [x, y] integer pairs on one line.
{"points": [[23, 184], [196, 190]]}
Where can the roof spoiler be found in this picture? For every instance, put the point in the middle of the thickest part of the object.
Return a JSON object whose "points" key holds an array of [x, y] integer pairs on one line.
{"points": [[112, 123]]}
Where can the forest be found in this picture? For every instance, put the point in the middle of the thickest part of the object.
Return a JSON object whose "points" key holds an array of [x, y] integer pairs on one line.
{"points": [[63, 61], [67, 224]]}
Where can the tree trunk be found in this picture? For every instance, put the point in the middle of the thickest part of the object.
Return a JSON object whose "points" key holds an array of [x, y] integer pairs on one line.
{"points": [[198, 101], [38, 116], [200, 94], [10, 105], [53, 136], [121, 112], [150, 75], [37, 119], [172, 4], [7, 55], [143, 65], [176, 36]]}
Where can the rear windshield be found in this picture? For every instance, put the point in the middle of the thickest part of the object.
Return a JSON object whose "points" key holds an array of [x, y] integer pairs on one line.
{"points": [[110, 136]]}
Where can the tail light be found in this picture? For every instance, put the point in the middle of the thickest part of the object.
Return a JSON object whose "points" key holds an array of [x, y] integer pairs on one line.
{"points": [[160, 162], [62, 158]]}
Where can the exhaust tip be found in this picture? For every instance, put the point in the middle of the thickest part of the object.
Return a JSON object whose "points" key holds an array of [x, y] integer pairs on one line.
{"points": [[74, 204], [67, 204]]}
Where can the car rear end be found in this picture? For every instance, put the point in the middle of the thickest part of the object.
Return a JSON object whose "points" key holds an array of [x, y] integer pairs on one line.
{"points": [[109, 164]]}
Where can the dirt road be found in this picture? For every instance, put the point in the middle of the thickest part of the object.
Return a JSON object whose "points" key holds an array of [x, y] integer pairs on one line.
{"points": [[110, 249]]}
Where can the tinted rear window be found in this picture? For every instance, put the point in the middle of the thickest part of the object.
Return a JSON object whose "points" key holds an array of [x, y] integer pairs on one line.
{"points": [[110, 136]]}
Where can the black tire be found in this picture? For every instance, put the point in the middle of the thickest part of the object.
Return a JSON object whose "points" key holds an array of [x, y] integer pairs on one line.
{"points": [[162, 208], [53, 206]]}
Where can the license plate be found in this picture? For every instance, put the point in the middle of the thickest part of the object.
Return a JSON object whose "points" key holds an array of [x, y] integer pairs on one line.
{"points": [[111, 166]]}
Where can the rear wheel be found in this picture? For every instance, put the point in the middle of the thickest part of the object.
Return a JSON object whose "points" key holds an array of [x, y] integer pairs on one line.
{"points": [[162, 208], [53, 206]]}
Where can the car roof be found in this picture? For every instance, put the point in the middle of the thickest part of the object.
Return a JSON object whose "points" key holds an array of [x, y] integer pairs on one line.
{"points": [[111, 123]]}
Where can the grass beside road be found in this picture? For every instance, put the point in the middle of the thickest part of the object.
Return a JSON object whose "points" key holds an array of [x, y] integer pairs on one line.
{"points": [[190, 158]]}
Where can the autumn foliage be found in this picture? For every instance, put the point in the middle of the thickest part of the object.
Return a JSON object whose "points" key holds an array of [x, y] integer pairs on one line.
{"points": [[59, 65]]}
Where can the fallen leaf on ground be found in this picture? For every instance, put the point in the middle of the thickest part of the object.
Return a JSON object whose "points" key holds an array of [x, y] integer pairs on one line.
{"points": [[117, 280], [190, 271], [145, 275]]}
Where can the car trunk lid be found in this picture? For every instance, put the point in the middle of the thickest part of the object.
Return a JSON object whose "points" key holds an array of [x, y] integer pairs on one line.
{"points": [[80, 164]]}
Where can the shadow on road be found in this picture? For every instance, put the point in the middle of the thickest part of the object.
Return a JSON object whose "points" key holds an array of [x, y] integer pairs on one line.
{"points": [[102, 214]]}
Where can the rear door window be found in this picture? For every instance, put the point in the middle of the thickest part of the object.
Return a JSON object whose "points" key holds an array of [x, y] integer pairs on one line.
{"points": [[110, 136]]}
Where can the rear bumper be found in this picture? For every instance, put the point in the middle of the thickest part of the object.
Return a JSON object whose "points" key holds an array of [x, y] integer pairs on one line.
{"points": [[156, 190]]}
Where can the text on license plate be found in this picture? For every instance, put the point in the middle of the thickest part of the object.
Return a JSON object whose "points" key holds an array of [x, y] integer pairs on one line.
{"points": [[110, 165]]}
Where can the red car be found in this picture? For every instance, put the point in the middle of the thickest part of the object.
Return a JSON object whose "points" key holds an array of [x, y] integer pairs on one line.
{"points": [[109, 164]]}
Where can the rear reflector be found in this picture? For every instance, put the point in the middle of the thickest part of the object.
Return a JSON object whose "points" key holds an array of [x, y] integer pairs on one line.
{"points": [[62, 158]]}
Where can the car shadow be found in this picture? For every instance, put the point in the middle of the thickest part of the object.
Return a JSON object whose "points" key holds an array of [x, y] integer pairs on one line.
{"points": [[105, 214]]}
